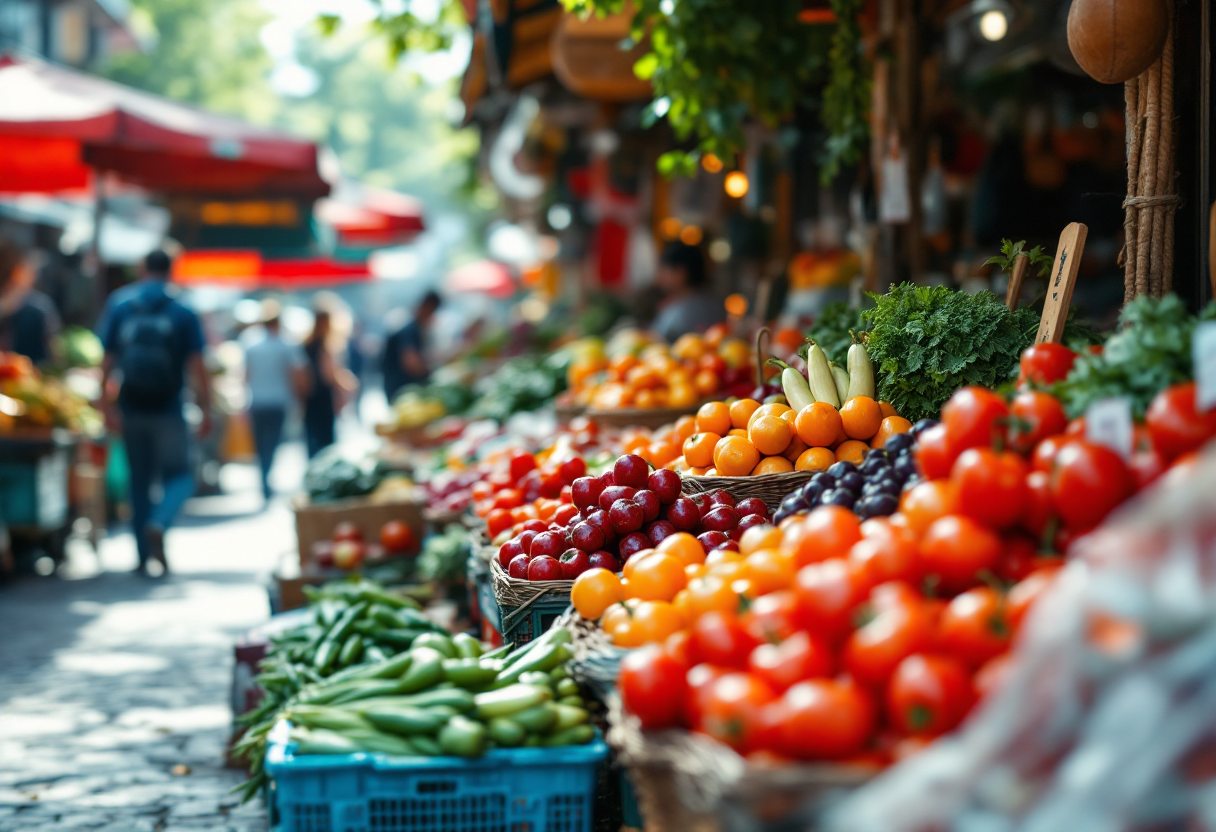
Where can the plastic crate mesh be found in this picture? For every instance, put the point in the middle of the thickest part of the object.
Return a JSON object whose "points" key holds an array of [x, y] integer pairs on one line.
{"points": [[566, 813], [309, 817], [466, 813]]}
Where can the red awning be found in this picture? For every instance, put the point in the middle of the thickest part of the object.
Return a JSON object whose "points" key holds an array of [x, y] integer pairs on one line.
{"points": [[370, 217], [482, 277], [149, 141], [249, 270]]}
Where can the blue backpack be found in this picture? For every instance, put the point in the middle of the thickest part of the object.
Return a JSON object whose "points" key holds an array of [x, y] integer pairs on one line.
{"points": [[151, 368]]}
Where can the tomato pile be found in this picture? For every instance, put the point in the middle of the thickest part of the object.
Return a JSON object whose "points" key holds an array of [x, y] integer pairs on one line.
{"points": [[347, 549], [611, 518]]}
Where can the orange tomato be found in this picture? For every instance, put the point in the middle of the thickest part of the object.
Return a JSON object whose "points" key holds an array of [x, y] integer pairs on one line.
{"points": [[682, 395], [887, 409], [620, 366], [684, 427], [705, 382], [741, 411], [689, 347], [773, 409], [620, 612], [773, 465], [860, 417], [770, 434], [711, 594], [643, 377], [696, 570], [635, 443], [925, 502], [736, 352], [595, 591], [716, 334], [632, 564], [796, 449], [659, 454], [657, 578], [770, 570], [818, 424], [759, 537], [729, 570], [815, 459], [655, 621], [718, 556], [852, 451], [699, 449], [684, 547], [735, 456], [889, 427], [713, 417]]}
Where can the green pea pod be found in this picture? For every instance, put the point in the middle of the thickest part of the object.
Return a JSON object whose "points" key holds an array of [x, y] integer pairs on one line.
{"points": [[352, 650], [388, 599], [327, 655], [425, 670], [389, 668], [506, 732], [394, 667], [566, 687], [467, 647], [378, 742], [375, 653], [372, 687], [460, 700], [416, 620], [463, 737], [427, 746], [437, 641], [568, 716], [536, 720], [467, 673], [544, 659], [497, 652], [318, 716], [575, 735], [397, 638], [509, 700], [406, 720], [384, 616], [572, 701], [322, 741], [534, 677], [366, 627]]}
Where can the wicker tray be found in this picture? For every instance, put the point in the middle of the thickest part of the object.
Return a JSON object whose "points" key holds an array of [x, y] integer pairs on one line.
{"points": [[516, 597], [634, 418], [772, 488], [596, 659], [687, 782]]}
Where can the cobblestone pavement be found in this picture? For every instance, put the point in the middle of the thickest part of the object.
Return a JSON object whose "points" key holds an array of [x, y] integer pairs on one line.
{"points": [[114, 687]]}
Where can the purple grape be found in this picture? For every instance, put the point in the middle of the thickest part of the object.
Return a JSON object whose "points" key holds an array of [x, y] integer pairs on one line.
{"points": [[840, 497], [853, 482], [900, 444], [920, 427]]}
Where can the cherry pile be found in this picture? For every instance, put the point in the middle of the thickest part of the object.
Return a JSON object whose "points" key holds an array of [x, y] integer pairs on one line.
{"points": [[622, 512]]}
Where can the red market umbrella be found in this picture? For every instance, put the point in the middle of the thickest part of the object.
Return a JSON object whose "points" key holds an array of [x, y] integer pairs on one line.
{"points": [[247, 269], [370, 217], [482, 277], [55, 123]]}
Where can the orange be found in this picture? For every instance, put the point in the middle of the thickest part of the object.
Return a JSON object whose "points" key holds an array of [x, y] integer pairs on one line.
{"points": [[697, 471], [860, 416], [742, 410], [685, 547], [720, 556], [770, 570], [818, 424], [635, 443], [706, 382], [711, 472], [659, 454], [770, 434], [729, 570], [657, 578], [759, 537], [699, 449], [688, 347], [632, 564], [889, 427], [841, 438], [684, 427], [714, 417], [616, 614], [643, 377], [656, 620], [852, 451], [646, 400], [682, 395], [815, 459], [773, 465], [796, 449], [887, 409], [735, 456], [737, 432], [774, 409], [595, 591], [696, 570]]}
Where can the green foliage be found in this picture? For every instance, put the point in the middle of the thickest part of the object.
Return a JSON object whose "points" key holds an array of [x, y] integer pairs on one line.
{"points": [[832, 331], [846, 99], [399, 24], [1151, 351], [926, 342], [445, 557], [1040, 263]]}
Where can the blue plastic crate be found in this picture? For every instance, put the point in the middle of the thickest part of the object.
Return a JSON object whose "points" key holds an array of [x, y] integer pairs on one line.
{"points": [[507, 790], [34, 492]]}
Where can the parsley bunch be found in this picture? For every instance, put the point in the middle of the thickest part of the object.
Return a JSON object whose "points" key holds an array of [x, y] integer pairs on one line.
{"points": [[928, 341]]}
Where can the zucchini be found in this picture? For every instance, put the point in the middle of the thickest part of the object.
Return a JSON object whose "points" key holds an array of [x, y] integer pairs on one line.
{"points": [[861, 372], [463, 737], [841, 377], [509, 700], [407, 720], [819, 376]]}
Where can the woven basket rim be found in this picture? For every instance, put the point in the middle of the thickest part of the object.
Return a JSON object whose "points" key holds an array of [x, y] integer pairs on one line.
{"points": [[759, 479]]}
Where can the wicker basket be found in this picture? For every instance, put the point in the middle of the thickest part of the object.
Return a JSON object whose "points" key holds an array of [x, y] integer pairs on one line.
{"points": [[518, 600], [687, 781], [596, 659], [633, 418], [772, 488]]}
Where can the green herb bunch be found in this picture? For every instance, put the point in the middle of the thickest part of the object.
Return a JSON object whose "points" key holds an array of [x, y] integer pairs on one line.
{"points": [[832, 331], [928, 341], [1151, 351]]}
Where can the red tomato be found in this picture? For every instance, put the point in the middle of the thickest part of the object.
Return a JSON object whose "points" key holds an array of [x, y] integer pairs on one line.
{"points": [[1019, 558], [1045, 363], [1175, 424], [396, 537], [822, 719], [974, 417], [1088, 482], [699, 678], [957, 549], [1034, 416], [347, 531], [1039, 506], [886, 552], [733, 709], [875, 649], [935, 453], [991, 486], [720, 639], [828, 532], [772, 618], [974, 627], [1044, 458], [521, 463], [653, 686], [929, 695], [827, 593], [801, 656], [1146, 466]]}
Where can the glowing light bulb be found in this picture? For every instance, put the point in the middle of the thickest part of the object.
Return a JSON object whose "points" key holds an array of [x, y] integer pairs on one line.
{"points": [[736, 184], [690, 235], [711, 163], [994, 25]]}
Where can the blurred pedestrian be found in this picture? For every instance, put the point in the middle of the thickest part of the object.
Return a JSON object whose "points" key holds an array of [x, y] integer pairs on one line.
{"points": [[152, 342], [28, 318], [277, 374], [687, 305], [329, 384], [406, 351]]}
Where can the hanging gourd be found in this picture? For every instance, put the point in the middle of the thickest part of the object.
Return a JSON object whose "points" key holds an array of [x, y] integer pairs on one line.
{"points": [[1116, 40], [588, 59]]}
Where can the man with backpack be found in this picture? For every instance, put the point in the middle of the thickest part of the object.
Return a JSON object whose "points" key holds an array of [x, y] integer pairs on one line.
{"points": [[152, 342]]}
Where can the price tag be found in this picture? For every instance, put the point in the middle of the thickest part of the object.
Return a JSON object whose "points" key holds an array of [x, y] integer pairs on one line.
{"points": [[1205, 366], [1109, 422]]}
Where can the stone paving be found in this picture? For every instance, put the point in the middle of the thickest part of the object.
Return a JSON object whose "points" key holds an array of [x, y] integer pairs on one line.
{"points": [[114, 687]]}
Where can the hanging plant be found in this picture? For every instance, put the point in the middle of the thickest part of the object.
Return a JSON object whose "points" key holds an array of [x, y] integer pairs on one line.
{"points": [[846, 98]]}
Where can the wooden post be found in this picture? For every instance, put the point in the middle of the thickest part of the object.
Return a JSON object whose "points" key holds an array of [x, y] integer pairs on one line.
{"points": [[1014, 292], [1063, 278]]}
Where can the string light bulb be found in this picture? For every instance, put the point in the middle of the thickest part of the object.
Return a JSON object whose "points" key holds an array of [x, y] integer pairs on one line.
{"points": [[736, 184]]}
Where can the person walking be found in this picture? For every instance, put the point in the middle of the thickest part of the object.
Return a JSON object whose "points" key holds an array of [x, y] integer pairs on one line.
{"points": [[329, 384], [277, 375], [152, 343], [405, 351], [28, 318]]}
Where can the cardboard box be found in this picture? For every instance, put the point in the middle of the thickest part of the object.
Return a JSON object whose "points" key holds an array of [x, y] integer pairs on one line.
{"points": [[290, 590], [317, 521]]}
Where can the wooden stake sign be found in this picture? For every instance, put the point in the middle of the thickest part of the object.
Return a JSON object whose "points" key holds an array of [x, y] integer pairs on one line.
{"points": [[1014, 293], [1063, 279]]}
